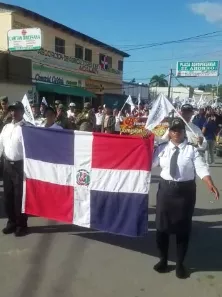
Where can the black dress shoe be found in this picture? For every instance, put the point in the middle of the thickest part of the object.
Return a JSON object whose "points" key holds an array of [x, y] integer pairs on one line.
{"points": [[21, 231], [161, 266], [181, 272], [9, 229]]}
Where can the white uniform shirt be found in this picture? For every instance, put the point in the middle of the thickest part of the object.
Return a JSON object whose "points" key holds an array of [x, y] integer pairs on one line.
{"points": [[54, 126], [39, 122], [99, 117], [11, 141], [119, 119], [70, 114], [190, 136], [189, 162]]}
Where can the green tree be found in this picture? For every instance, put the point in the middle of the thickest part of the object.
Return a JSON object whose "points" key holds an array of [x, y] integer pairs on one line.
{"points": [[202, 88], [159, 81]]}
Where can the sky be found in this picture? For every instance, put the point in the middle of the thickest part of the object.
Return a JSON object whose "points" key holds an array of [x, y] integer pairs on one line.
{"points": [[132, 25]]}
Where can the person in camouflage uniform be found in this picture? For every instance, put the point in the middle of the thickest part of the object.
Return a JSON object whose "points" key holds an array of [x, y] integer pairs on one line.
{"points": [[61, 118], [5, 115], [86, 120]]}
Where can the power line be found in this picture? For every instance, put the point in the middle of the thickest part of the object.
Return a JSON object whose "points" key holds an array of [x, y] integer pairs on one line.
{"points": [[174, 41]]}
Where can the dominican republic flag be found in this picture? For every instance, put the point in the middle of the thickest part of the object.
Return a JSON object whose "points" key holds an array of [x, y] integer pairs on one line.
{"points": [[92, 180], [104, 63]]}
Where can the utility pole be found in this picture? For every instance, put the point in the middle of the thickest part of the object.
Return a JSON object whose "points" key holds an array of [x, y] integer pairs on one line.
{"points": [[169, 87], [170, 82]]}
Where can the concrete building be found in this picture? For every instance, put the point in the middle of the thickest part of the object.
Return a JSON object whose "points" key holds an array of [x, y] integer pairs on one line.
{"points": [[70, 65], [181, 92], [136, 89], [12, 83]]}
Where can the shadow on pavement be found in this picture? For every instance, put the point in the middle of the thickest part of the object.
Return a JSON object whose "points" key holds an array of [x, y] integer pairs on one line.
{"points": [[2, 212], [205, 245]]}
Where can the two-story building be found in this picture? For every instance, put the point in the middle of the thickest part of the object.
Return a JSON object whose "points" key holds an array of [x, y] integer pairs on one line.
{"points": [[69, 66]]}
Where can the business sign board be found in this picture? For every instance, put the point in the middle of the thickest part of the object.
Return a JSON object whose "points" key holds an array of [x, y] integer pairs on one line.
{"points": [[24, 39], [198, 69]]}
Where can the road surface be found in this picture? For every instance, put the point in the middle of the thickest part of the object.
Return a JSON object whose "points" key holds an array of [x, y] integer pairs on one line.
{"points": [[65, 261]]}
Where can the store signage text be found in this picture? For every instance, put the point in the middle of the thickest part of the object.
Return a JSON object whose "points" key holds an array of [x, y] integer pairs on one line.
{"points": [[55, 80], [83, 65], [198, 69], [24, 39]]}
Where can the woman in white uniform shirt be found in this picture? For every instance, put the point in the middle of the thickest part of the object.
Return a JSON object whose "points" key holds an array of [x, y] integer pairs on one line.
{"points": [[176, 196]]}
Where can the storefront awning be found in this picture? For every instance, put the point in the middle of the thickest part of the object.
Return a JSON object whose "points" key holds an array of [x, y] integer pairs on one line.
{"points": [[58, 89]]}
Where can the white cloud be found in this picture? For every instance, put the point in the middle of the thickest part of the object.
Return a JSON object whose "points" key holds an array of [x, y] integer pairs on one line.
{"points": [[212, 11]]}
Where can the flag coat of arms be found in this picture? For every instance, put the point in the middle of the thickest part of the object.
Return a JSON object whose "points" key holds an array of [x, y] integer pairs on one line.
{"points": [[92, 180]]}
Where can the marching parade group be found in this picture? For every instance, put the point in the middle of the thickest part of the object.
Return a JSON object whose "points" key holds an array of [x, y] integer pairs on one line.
{"points": [[180, 156]]}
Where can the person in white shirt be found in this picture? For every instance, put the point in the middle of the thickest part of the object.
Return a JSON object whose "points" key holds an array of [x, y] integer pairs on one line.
{"points": [[12, 149], [118, 119], [176, 197], [198, 140], [99, 118], [71, 113], [50, 118]]}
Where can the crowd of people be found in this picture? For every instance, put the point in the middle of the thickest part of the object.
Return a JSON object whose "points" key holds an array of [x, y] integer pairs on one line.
{"points": [[209, 121], [104, 119]]}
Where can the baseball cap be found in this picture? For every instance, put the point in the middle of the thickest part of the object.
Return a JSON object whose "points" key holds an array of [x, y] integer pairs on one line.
{"points": [[187, 107], [16, 106], [72, 104], [177, 123], [57, 102]]}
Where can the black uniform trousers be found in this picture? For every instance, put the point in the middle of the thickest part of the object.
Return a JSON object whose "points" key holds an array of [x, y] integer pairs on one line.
{"points": [[174, 211], [13, 192]]}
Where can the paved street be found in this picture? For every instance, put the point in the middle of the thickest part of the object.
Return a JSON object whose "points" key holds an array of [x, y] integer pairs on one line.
{"points": [[59, 260]]}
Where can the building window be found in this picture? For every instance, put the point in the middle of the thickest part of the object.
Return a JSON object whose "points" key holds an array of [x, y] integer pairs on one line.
{"points": [[79, 52], [120, 65], [105, 61], [88, 55], [59, 45]]}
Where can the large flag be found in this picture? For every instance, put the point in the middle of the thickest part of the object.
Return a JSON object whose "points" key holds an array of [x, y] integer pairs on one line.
{"points": [[28, 115], [92, 180], [160, 110]]}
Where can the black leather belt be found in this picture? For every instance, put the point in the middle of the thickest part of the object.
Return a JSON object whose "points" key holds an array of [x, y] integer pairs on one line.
{"points": [[172, 182]]}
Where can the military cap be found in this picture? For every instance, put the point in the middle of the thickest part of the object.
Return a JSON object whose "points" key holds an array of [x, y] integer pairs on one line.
{"points": [[187, 107], [177, 123], [4, 98], [61, 106], [87, 105]]}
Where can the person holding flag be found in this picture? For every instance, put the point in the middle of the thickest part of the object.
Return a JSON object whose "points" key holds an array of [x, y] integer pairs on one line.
{"points": [[12, 149], [179, 162]]}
